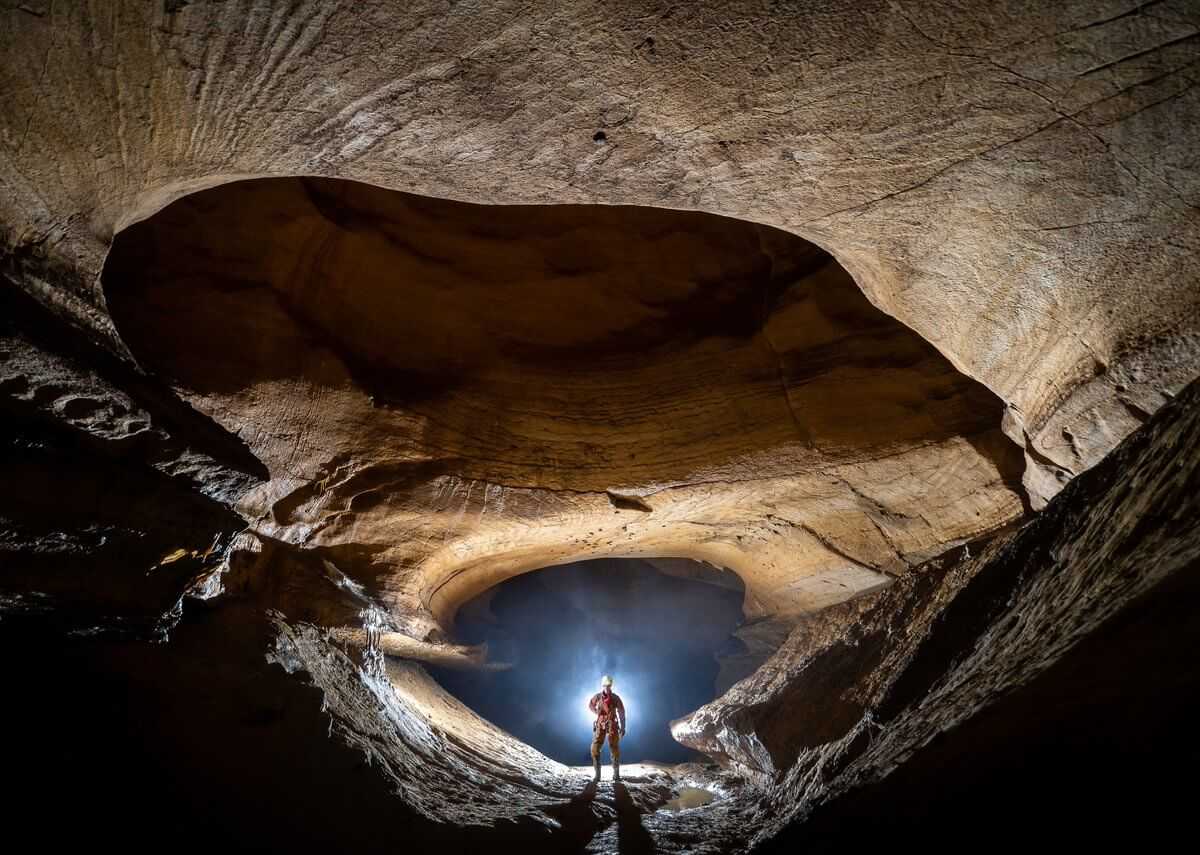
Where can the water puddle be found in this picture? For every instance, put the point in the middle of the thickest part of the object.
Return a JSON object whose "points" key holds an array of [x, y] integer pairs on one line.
{"points": [[689, 797]]}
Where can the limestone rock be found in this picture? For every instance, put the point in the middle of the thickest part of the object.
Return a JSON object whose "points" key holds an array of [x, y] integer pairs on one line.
{"points": [[330, 319]]}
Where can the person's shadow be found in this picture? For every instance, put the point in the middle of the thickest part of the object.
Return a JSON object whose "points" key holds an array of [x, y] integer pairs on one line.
{"points": [[579, 822], [632, 836]]}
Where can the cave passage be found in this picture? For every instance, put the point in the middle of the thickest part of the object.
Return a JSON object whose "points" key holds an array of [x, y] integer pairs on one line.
{"points": [[659, 627]]}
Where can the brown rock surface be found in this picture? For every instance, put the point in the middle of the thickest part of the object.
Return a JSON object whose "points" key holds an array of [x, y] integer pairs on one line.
{"points": [[1041, 633], [338, 317], [1030, 644], [1000, 177], [446, 395]]}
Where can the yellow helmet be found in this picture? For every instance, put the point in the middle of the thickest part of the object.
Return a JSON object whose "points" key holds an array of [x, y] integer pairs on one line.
{"points": [[606, 680]]}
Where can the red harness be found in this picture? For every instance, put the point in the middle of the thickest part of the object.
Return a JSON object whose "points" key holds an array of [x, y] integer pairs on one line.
{"points": [[606, 712]]}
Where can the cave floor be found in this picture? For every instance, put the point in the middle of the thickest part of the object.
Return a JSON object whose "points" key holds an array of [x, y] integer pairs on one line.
{"points": [[632, 816]]}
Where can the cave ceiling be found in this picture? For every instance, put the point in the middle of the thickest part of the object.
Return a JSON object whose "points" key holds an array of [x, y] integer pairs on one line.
{"points": [[343, 316]]}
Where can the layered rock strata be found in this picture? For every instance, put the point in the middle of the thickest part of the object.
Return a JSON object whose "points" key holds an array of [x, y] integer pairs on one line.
{"points": [[291, 323]]}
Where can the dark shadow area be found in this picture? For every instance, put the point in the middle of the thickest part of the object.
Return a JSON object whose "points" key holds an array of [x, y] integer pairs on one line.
{"points": [[94, 492], [82, 537], [632, 836], [357, 269], [195, 745], [580, 818], [25, 323], [1094, 754], [562, 628]]}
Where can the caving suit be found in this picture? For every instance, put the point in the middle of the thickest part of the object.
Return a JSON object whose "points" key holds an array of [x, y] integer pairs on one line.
{"points": [[610, 722]]}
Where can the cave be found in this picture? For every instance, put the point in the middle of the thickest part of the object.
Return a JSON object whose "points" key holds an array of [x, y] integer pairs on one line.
{"points": [[665, 629], [373, 380]]}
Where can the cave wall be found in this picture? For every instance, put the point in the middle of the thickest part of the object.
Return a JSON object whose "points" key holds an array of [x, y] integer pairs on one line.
{"points": [[448, 394], [1049, 664], [999, 177], [1039, 688], [116, 494], [1014, 184]]}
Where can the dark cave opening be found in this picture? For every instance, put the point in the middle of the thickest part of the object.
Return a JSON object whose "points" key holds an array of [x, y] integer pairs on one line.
{"points": [[658, 627]]}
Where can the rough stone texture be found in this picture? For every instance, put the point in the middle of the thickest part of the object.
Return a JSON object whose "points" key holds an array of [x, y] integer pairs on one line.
{"points": [[445, 395], [1008, 193], [114, 492], [1000, 177], [1052, 629], [807, 693], [267, 734], [253, 728]]}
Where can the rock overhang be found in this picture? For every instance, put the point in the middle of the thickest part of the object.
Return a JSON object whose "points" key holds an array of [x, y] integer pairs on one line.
{"points": [[447, 394], [1015, 182]]}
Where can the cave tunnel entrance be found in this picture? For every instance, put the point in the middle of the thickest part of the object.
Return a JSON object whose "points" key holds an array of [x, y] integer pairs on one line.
{"points": [[663, 628]]}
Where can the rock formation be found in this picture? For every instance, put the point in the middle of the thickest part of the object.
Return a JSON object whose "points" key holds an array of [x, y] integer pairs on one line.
{"points": [[318, 322]]}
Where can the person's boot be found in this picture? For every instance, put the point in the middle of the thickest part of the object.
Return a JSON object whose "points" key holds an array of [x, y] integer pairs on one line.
{"points": [[596, 766], [616, 770]]}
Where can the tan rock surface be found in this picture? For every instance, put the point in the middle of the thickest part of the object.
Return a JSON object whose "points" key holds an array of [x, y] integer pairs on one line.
{"points": [[999, 177], [446, 395], [999, 182], [812, 292]]}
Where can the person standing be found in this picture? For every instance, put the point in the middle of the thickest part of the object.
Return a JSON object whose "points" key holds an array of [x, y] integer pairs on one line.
{"points": [[610, 722]]}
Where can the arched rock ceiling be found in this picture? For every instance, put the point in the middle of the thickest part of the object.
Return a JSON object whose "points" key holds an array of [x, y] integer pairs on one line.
{"points": [[1016, 184], [445, 394]]}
